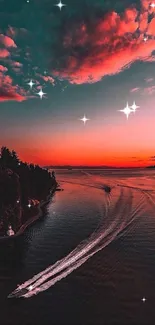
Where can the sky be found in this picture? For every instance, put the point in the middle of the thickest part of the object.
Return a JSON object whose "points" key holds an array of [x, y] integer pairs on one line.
{"points": [[90, 59]]}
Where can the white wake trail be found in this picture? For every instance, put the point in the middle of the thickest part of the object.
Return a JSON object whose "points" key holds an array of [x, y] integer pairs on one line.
{"points": [[77, 264], [74, 255], [70, 260]]}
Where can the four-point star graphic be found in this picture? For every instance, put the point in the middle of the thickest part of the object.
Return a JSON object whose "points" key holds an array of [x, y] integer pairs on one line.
{"points": [[41, 93], [145, 38], [31, 83], [60, 5], [152, 5], [127, 110], [143, 299], [84, 119], [134, 107]]}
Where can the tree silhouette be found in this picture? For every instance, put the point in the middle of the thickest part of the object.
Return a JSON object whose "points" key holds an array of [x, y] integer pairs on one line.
{"points": [[6, 158], [19, 183]]}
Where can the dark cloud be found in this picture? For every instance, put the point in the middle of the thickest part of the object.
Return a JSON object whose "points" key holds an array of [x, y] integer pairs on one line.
{"points": [[10, 94]]}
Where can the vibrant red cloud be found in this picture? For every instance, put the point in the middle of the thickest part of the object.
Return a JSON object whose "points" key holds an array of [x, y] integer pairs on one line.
{"points": [[112, 44], [3, 69], [8, 95], [151, 27], [4, 53], [48, 79], [8, 91], [145, 4], [7, 41], [143, 22]]}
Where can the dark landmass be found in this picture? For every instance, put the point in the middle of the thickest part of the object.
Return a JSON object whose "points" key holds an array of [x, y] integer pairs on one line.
{"points": [[23, 187], [150, 166]]}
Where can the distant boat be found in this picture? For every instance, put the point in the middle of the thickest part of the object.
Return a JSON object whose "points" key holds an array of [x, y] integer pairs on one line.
{"points": [[107, 189], [18, 293], [10, 232]]}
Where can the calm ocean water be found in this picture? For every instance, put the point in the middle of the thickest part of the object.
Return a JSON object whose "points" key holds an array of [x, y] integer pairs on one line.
{"points": [[106, 247]]}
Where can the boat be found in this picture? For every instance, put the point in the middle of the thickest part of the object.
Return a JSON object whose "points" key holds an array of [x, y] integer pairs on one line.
{"points": [[58, 188], [10, 231], [19, 293], [107, 189]]}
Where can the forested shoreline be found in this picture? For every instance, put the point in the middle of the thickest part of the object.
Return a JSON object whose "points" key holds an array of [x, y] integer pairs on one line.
{"points": [[22, 187]]}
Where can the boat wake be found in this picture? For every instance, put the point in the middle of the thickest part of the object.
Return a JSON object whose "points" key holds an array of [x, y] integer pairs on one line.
{"points": [[121, 209]]}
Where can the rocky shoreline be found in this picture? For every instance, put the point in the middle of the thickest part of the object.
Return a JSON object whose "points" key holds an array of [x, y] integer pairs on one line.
{"points": [[30, 221]]}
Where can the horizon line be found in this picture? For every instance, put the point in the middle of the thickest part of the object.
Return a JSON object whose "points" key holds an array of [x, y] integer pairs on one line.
{"points": [[94, 166]]}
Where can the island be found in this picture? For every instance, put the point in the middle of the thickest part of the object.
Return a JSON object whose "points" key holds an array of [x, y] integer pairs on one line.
{"points": [[24, 190]]}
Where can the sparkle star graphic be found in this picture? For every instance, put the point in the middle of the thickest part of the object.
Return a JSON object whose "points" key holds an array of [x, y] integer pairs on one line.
{"points": [[152, 5], [134, 107], [60, 5], [41, 93], [84, 119], [145, 38], [143, 299], [31, 84], [127, 110]]}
